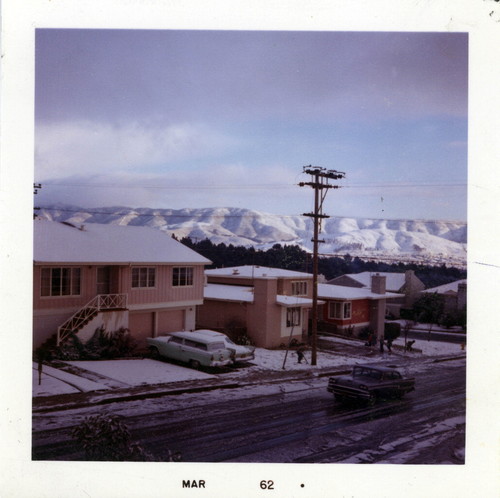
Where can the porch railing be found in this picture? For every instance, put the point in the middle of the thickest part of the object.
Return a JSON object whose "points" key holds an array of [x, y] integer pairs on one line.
{"points": [[101, 302]]}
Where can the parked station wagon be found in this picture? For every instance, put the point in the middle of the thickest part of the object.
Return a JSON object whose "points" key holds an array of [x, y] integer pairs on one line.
{"points": [[191, 348], [240, 353], [369, 382]]}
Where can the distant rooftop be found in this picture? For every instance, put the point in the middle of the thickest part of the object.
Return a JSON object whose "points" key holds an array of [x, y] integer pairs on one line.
{"points": [[393, 281], [447, 288], [331, 291], [250, 271]]}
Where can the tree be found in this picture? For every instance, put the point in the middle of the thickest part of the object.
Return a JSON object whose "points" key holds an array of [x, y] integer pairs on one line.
{"points": [[429, 309]]}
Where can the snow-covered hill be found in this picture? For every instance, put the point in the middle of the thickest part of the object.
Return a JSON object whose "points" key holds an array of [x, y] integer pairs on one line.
{"points": [[431, 242]]}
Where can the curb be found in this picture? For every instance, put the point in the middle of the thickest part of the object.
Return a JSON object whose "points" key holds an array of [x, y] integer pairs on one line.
{"points": [[82, 400]]}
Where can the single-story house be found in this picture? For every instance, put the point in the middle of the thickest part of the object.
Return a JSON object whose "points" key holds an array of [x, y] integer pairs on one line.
{"points": [[407, 284], [271, 305], [111, 276], [355, 308], [454, 294]]}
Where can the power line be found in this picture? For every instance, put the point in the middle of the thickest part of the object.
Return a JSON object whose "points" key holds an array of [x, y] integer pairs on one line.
{"points": [[250, 186]]}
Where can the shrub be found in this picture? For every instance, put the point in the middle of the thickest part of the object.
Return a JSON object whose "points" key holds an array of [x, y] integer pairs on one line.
{"points": [[392, 330], [107, 438], [102, 345]]}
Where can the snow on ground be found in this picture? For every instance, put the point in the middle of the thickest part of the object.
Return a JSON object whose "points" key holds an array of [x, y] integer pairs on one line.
{"points": [[136, 372], [55, 381]]}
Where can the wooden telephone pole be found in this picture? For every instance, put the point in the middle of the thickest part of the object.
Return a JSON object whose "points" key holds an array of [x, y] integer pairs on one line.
{"points": [[319, 182]]}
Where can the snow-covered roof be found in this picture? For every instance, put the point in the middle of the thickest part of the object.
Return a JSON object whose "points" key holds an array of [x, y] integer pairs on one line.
{"points": [[239, 293], [295, 301], [393, 281], [446, 288], [330, 291], [250, 271], [110, 244], [223, 292]]}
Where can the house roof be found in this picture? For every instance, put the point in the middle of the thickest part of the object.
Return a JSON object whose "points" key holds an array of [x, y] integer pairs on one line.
{"points": [[239, 294], [452, 287], [221, 292], [393, 281], [341, 292], [250, 271], [108, 244], [295, 301]]}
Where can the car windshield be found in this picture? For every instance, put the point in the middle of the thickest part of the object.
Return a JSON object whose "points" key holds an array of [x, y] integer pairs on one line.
{"points": [[215, 345], [367, 372]]}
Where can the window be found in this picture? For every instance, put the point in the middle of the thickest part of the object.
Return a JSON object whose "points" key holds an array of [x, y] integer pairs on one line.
{"points": [[143, 277], [60, 282], [340, 310], [293, 316], [299, 288], [182, 276]]}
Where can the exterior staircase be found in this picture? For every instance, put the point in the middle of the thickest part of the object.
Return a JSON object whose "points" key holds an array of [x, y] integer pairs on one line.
{"points": [[101, 302]]}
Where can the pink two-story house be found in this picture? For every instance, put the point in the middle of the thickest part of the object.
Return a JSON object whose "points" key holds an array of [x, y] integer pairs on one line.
{"points": [[111, 276]]}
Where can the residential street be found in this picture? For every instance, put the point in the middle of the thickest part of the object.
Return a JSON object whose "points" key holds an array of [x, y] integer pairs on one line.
{"points": [[295, 421]]}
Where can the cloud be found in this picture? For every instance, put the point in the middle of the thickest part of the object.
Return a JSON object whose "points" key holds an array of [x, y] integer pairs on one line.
{"points": [[66, 148], [267, 187]]}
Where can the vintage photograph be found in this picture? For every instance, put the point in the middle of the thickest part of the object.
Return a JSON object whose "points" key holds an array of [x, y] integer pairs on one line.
{"points": [[249, 249], [250, 246]]}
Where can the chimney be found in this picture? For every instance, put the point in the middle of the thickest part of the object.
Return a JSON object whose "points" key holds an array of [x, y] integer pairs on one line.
{"points": [[378, 284]]}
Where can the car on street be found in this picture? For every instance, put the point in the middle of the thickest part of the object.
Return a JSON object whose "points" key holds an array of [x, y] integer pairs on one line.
{"points": [[369, 382], [240, 353], [196, 350]]}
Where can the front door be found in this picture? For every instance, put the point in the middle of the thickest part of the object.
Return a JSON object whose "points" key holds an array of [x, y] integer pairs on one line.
{"points": [[104, 280]]}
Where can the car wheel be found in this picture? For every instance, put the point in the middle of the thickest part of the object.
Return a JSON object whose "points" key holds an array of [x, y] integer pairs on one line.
{"points": [[194, 364], [154, 353]]}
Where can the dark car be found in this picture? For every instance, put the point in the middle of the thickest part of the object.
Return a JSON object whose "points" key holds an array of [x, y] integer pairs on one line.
{"points": [[369, 382]]}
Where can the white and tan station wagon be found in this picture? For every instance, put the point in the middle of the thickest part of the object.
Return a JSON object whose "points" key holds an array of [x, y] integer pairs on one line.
{"points": [[192, 348]]}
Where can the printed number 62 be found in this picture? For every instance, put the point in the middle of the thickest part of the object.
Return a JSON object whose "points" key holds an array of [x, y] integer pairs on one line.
{"points": [[267, 484]]}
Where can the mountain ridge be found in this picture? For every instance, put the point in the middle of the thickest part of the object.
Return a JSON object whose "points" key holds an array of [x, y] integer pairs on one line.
{"points": [[424, 241]]}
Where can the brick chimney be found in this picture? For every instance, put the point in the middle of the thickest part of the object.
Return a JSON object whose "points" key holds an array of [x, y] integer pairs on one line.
{"points": [[378, 284]]}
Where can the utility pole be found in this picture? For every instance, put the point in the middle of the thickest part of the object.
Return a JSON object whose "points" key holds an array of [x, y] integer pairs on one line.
{"points": [[36, 186], [319, 182]]}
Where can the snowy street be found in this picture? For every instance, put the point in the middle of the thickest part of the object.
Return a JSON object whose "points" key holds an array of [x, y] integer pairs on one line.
{"points": [[271, 414]]}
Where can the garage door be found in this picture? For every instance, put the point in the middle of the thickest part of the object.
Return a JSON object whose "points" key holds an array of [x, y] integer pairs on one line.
{"points": [[170, 321], [141, 325]]}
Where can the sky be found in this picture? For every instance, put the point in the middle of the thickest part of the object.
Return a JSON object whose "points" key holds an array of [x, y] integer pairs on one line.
{"points": [[192, 119]]}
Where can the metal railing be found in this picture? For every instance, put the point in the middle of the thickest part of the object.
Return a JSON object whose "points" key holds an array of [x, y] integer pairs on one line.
{"points": [[99, 303]]}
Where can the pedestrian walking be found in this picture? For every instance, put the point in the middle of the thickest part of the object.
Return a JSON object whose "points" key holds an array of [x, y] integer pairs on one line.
{"points": [[300, 354], [389, 345]]}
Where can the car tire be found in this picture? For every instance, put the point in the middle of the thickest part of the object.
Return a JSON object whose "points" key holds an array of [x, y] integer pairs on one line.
{"points": [[154, 353], [195, 364]]}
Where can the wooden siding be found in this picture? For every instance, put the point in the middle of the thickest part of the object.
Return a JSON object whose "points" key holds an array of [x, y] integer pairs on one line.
{"points": [[121, 283]]}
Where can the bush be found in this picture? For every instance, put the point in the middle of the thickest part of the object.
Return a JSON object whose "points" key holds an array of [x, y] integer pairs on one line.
{"points": [[392, 330], [365, 332], [107, 438], [102, 345]]}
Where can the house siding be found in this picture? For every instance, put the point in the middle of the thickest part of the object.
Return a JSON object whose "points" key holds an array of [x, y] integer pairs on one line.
{"points": [[163, 308]]}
